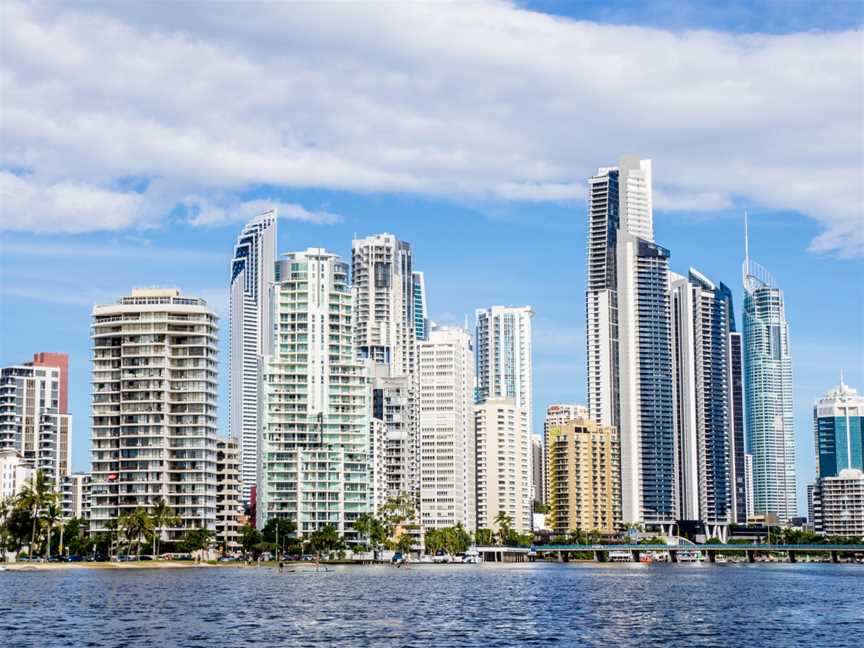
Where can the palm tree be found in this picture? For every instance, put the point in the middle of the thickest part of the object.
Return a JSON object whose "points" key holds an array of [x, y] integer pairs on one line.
{"points": [[505, 525], [36, 495], [6, 507], [111, 526], [136, 524], [50, 518], [162, 516]]}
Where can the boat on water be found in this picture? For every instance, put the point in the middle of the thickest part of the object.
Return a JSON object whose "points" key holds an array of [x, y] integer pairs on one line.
{"points": [[442, 557], [471, 557], [720, 558]]}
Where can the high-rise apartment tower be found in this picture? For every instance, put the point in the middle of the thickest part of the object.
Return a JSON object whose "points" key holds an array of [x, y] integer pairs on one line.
{"points": [[249, 335], [768, 393], [154, 410]]}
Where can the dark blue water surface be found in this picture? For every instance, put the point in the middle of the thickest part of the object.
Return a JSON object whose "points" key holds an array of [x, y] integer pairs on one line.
{"points": [[491, 605]]}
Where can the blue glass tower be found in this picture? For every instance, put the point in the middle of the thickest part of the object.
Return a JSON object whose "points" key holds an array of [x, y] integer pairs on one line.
{"points": [[768, 394], [838, 428], [421, 321]]}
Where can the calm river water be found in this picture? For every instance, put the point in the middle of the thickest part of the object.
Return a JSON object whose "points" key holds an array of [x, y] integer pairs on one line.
{"points": [[441, 606]]}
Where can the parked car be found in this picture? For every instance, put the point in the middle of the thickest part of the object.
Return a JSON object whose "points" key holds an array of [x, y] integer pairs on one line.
{"points": [[74, 558]]}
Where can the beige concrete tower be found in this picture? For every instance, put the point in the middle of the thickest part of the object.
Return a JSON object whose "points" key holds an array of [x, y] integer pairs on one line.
{"points": [[503, 464], [447, 479]]}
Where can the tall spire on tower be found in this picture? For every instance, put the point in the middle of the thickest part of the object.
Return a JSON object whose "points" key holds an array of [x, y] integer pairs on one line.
{"points": [[746, 242]]}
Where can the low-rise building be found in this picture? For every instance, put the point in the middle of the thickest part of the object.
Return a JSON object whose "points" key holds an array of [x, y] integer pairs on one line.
{"points": [[837, 504]]}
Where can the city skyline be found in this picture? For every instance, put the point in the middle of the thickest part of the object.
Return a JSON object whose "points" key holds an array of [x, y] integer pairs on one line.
{"points": [[501, 233], [547, 368]]}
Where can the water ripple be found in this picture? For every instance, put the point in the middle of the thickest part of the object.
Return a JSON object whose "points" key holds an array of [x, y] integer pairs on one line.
{"points": [[442, 606]]}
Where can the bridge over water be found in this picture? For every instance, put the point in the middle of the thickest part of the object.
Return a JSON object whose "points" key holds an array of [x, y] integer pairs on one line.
{"points": [[601, 552]]}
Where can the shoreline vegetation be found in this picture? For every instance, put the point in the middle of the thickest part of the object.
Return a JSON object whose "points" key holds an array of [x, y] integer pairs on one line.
{"points": [[304, 565]]}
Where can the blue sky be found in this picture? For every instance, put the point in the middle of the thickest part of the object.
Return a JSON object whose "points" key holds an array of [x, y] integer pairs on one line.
{"points": [[472, 139]]}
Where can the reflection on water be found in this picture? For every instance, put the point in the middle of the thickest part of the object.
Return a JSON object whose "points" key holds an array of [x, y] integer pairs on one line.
{"points": [[441, 606]]}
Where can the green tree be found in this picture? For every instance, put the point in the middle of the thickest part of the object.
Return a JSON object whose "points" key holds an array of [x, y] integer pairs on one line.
{"points": [[250, 539], [397, 513], [161, 516], [505, 526], [112, 528], [7, 506], [578, 536], [76, 538], [326, 539], [594, 537], [196, 540], [484, 537], [433, 541], [278, 532], [374, 530], [404, 542], [398, 510], [36, 495], [453, 540], [51, 519], [135, 525]]}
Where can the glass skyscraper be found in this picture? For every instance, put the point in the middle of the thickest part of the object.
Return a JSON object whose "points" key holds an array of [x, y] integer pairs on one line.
{"points": [[768, 394], [421, 317], [838, 428], [249, 335], [629, 345], [708, 401], [503, 355]]}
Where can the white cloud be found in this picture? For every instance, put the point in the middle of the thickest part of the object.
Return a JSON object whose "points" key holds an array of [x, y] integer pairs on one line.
{"points": [[693, 202], [467, 100], [204, 212], [115, 249], [67, 206]]}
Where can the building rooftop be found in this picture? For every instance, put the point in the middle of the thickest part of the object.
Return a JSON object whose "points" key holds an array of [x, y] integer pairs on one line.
{"points": [[155, 292]]}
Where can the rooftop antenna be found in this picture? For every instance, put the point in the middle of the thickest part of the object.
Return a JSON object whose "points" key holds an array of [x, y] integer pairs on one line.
{"points": [[746, 242], [841, 380]]}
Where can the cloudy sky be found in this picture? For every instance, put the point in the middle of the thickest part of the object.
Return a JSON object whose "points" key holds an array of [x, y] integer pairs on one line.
{"points": [[136, 139]]}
